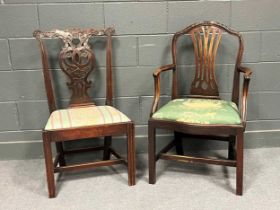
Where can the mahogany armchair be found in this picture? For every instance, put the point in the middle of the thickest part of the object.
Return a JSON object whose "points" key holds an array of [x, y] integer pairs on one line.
{"points": [[82, 119], [203, 113]]}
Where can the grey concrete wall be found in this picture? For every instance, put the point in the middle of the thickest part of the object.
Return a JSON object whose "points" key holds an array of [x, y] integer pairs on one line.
{"points": [[142, 43]]}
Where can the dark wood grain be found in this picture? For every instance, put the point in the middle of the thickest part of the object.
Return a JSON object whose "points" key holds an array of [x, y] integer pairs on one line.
{"points": [[188, 159], [84, 166]]}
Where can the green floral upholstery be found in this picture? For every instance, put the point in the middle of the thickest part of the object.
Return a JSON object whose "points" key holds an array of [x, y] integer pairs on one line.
{"points": [[200, 111]]}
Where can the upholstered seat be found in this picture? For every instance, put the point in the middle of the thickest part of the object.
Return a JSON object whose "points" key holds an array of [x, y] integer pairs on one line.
{"points": [[84, 116], [201, 111]]}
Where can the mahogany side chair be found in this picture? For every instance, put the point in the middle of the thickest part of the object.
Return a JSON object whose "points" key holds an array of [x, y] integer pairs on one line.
{"points": [[82, 119], [202, 113]]}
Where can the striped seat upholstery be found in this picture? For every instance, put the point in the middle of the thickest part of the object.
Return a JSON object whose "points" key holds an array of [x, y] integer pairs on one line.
{"points": [[84, 116]]}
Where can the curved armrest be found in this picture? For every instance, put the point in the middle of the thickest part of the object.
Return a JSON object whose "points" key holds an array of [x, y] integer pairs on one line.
{"points": [[163, 68], [247, 76], [156, 75], [246, 71]]}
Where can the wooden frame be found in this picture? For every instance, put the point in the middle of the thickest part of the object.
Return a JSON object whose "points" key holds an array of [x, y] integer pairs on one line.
{"points": [[77, 61], [206, 37]]}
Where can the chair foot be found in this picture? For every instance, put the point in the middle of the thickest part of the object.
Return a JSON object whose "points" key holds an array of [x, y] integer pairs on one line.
{"points": [[52, 194], [152, 155], [239, 192], [152, 180], [132, 181]]}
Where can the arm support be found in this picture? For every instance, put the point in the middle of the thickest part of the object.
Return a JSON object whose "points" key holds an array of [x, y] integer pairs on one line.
{"points": [[247, 76], [156, 76]]}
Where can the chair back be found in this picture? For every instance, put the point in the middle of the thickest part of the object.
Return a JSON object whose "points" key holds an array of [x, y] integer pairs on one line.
{"points": [[77, 60], [206, 37]]}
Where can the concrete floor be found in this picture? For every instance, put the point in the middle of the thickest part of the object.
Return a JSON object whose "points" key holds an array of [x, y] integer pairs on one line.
{"points": [[179, 186]]}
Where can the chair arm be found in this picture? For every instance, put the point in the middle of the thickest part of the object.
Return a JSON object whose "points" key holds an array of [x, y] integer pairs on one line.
{"points": [[246, 71], [247, 76], [163, 68], [156, 76]]}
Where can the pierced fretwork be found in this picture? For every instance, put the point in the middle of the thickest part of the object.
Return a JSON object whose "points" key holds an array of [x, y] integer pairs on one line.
{"points": [[206, 40], [76, 59]]}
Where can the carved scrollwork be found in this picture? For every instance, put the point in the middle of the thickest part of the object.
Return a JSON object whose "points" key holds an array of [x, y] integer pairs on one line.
{"points": [[77, 65], [76, 58], [70, 34]]}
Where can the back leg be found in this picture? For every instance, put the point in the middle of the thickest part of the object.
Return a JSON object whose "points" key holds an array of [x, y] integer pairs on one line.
{"points": [[178, 143]]}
